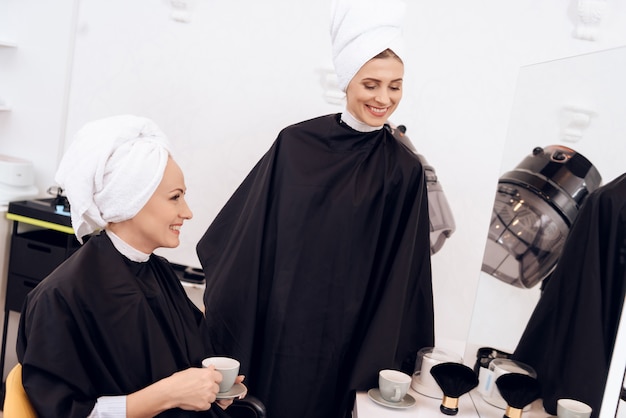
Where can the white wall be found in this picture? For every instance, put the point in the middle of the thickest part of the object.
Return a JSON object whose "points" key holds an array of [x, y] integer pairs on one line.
{"points": [[34, 80], [223, 85]]}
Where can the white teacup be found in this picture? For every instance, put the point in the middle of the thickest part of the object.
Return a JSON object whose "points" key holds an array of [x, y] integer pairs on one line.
{"points": [[571, 408], [393, 384], [228, 367]]}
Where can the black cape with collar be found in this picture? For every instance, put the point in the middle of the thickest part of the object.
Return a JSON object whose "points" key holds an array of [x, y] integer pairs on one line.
{"points": [[101, 324], [570, 336], [318, 268]]}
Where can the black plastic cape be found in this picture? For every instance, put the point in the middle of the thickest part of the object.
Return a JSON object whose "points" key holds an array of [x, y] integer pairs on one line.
{"points": [[101, 324], [318, 267], [570, 336]]}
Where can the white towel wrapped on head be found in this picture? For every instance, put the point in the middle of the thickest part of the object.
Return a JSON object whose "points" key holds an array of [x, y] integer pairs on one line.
{"points": [[111, 169], [362, 29]]}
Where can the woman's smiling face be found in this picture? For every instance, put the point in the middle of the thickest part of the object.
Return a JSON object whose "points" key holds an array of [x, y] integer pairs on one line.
{"points": [[158, 223], [374, 92]]}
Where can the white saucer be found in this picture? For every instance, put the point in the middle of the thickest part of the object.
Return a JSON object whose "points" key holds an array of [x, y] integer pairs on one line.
{"points": [[236, 391], [406, 402]]}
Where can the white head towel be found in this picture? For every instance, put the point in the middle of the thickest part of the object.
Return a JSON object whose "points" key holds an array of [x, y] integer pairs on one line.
{"points": [[360, 30], [111, 169]]}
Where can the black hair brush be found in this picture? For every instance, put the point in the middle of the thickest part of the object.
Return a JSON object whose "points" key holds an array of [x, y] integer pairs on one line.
{"points": [[518, 390], [454, 379]]}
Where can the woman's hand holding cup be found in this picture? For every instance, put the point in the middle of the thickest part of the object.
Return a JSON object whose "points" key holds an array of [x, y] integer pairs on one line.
{"points": [[193, 389], [228, 367]]}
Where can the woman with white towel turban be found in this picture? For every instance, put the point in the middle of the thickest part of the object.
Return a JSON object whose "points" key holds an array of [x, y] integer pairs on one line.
{"points": [[111, 331], [318, 267]]}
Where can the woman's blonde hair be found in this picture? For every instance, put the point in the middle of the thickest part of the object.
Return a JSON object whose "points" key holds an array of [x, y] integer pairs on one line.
{"points": [[388, 53]]}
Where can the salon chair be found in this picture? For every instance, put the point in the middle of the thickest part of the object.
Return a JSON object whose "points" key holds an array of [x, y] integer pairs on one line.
{"points": [[16, 403], [248, 407]]}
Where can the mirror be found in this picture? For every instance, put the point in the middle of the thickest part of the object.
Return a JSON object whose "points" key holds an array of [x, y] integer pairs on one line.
{"points": [[574, 102]]}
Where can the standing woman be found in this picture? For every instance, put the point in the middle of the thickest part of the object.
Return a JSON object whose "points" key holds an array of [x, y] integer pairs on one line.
{"points": [[318, 267], [111, 332]]}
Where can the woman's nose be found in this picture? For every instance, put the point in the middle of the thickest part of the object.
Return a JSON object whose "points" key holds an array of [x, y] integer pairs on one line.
{"points": [[186, 212], [382, 98]]}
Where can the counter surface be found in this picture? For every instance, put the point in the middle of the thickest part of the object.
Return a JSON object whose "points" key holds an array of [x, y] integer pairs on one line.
{"points": [[426, 407]]}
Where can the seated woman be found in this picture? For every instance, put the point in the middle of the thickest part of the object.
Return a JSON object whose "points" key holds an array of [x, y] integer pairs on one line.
{"points": [[111, 332]]}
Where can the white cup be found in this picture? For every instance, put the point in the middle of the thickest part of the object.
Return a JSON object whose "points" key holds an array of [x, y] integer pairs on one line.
{"points": [[228, 367], [393, 384], [571, 408]]}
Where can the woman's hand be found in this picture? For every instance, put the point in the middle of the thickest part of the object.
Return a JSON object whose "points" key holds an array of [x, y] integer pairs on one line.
{"points": [[193, 389], [225, 403]]}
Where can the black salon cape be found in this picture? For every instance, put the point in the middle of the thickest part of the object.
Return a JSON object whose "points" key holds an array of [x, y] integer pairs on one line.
{"points": [[318, 267], [101, 324], [570, 336]]}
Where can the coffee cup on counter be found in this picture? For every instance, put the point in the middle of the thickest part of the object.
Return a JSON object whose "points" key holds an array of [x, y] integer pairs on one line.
{"points": [[571, 408], [228, 367], [393, 384]]}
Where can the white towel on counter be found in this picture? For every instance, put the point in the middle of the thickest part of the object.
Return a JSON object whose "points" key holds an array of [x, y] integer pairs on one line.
{"points": [[111, 169], [360, 30]]}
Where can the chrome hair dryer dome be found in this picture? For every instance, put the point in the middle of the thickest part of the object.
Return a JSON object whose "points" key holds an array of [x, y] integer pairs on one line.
{"points": [[535, 205]]}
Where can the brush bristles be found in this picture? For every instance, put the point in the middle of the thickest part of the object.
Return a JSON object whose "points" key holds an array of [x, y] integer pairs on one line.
{"points": [[517, 389], [454, 379]]}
